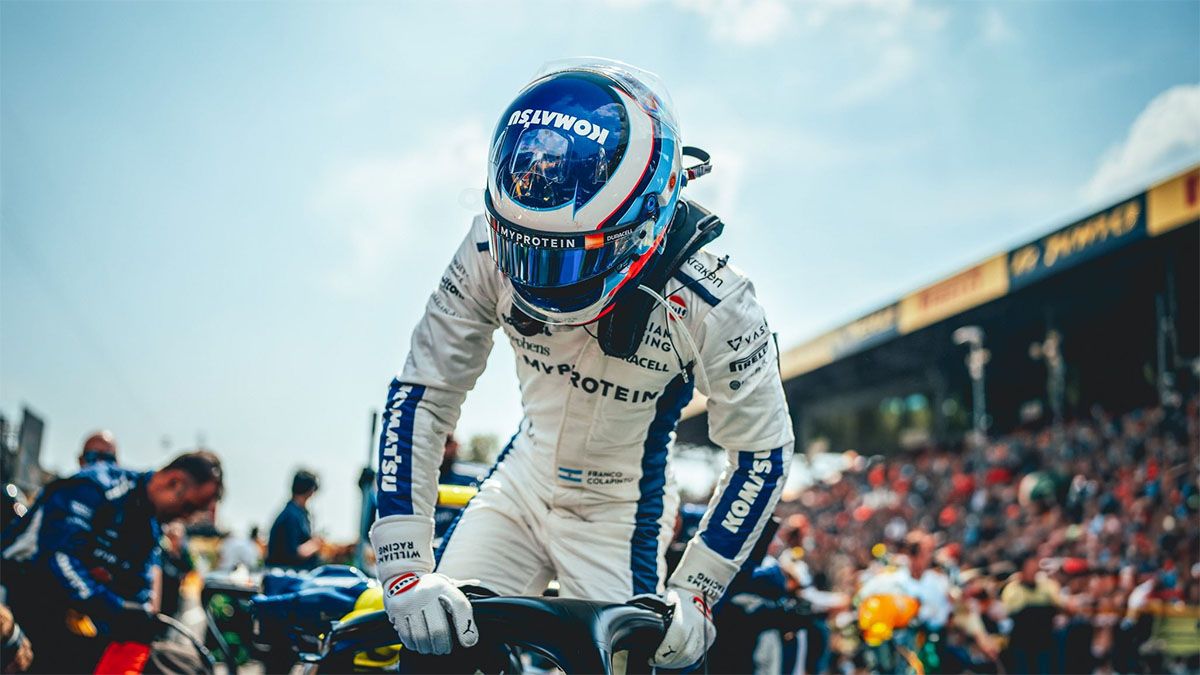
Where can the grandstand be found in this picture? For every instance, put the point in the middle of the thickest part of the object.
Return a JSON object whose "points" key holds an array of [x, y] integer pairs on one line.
{"points": [[1118, 288]]}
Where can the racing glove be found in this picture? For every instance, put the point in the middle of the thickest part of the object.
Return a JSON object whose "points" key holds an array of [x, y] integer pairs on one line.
{"points": [[690, 633], [694, 587], [426, 609]]}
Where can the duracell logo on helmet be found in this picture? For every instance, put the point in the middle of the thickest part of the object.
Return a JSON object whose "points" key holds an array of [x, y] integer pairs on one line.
{"points": [[550, 118]]}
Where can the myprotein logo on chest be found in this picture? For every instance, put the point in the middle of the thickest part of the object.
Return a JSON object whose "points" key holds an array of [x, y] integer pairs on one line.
{"points": [[551, 118], [591, 385]]}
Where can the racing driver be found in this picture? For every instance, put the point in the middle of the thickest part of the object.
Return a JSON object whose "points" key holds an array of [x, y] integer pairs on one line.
{"points": [[590, 262]]}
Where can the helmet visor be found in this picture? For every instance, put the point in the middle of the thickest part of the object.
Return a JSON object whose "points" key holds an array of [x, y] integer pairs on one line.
{"points": [[549, 260]]}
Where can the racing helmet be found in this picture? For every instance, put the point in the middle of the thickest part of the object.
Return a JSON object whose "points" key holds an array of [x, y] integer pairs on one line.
{"points": [[584, 175]]}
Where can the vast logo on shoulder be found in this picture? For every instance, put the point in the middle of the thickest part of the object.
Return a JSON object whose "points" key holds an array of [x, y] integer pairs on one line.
{"points": [[751, 358], [550, 118], [737, 342], [402, 583]]}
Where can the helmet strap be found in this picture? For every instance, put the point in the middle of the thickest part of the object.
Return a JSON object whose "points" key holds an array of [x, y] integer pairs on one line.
{"points": [[696, 170]]}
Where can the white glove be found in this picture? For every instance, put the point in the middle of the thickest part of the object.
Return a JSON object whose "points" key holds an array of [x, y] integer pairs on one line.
{"points": [[423, 606], [690, 633]]}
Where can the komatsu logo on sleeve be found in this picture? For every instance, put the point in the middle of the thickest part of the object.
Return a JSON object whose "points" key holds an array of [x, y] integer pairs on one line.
{"points": [[550, 118], [740, 508], [390, 462]]}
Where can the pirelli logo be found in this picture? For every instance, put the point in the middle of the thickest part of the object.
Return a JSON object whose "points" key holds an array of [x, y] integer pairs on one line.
{"points": [[751, 358]]}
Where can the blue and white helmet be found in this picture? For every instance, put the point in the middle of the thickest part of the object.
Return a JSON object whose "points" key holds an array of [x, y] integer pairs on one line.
{"points": [[583, 179]]}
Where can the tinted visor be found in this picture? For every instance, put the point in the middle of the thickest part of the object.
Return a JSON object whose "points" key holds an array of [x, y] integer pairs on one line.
{"points": [[548, 260], [566, 299]]}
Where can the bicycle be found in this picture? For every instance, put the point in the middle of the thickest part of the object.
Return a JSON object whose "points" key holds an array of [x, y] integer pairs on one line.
{"points": [[577, 636]]}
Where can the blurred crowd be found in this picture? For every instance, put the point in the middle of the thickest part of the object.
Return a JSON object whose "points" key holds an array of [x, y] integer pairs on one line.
{"points": [[1071, 547]]}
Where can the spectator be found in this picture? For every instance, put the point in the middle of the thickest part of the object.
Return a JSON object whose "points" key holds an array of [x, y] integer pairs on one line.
{"points": [[448, 473], [101, 446], [1109, 502], [240, 551], [87, 551], [176, 564], [1031, 599], [291, 543]]}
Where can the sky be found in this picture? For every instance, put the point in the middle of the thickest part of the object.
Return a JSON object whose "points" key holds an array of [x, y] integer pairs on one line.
{"points": [[219, 222]]}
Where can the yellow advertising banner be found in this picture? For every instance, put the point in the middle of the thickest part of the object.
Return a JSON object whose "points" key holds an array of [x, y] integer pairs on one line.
{"points": [[1173, 202], [1095, 236], [970, 288]]}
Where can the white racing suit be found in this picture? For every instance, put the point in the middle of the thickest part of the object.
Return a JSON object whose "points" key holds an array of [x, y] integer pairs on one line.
{"points": [[583, 492]]}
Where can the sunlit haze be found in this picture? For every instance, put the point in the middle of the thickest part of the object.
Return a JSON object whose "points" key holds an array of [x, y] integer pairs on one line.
{"points": [[221, 221]]}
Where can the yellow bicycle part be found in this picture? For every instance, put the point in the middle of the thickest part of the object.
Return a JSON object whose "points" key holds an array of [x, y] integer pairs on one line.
{"points": [[455, 495], [371, 600]]}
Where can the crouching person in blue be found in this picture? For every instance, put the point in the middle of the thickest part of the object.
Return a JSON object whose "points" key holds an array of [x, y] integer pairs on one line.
{"points": [[79, 566]]}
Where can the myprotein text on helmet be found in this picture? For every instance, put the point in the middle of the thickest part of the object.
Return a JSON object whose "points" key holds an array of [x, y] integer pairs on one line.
{"points": [[536, 241]]}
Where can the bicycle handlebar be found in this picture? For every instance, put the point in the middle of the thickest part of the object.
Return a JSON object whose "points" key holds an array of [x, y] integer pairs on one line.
{"points": [[578, 635]]}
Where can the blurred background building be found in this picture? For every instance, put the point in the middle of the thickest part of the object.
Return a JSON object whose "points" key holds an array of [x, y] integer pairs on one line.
{"points": [[1101, 311]]}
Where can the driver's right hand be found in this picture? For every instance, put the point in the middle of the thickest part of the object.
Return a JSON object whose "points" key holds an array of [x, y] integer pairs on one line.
{"points": [[428, 611]]}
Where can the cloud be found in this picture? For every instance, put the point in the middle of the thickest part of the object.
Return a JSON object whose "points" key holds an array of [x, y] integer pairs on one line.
{"points": [[385, 208], [754, 22], [1165, 135], [888, 35], [994, 27], [873, 18], [742, 22], [896, 64]]}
